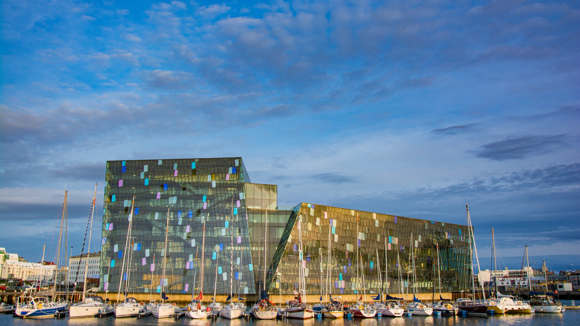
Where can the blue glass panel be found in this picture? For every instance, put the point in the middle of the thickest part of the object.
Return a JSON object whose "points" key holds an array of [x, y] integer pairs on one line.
{"points": [[112, 263], [234, 170], [227, 224], [107, 226], [136, 210], [114, 198], [120, 254], [159, 289], [146, 181], [178, 213], [459, 231], [192, 165], [236, 275], [138, 247], [214, 256], [295, 248], [124, 169], [165, 187], [308, 257], [221, 246], [333, 230], [344, 269], [250, 267], [204, 198], [190, 214], [372, 264], [313, 206], [124, 162], [124, 276], [219, 270], [340, 276], [235, 211]]}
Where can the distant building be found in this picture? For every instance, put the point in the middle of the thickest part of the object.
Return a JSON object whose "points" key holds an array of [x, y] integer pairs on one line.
{"points": [[77, 272], [505, 277], [15, 267]]}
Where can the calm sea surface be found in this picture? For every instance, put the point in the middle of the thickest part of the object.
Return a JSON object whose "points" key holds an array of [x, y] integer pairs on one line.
{"points": [[570, 317]]}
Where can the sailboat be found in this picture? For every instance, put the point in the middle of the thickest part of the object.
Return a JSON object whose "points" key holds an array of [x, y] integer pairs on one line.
{"points": [[334, 309], [417, 308], [470, 306], [444, 307], [361, 309], [195, 309], [215, 306], [164, 309], [41, 307], [505, 304], [389, 308], [93, 305], [265, 309], [543, 302], [296, 308], [129, 307], [231, 310]]}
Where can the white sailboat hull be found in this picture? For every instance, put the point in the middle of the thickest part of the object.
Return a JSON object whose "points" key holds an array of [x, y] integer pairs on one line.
{"points": [[197, 314], [84, 310], [163, 311], [231, 313], [300, 313], [122, 311], [264, 314], [548, 309], [392, 312], [333, 314]]}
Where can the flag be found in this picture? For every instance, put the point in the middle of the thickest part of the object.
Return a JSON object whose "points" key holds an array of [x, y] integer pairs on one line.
{"points": [[199, 297], [229, 297], [360, 297], [415, 299]]}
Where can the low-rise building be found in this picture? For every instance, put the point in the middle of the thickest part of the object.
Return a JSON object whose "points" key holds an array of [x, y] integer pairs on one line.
{"points": [[77, 266]]}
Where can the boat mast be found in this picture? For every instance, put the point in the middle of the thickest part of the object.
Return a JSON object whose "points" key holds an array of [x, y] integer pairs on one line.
{"points": [[64, 213], [202, 259], [528, 272], [470, 250], [380, 275], [124, 253], [413, 266], [400, 275], [41, 277], [328, 263], [438, 271], [217, 257], [357, 258], [164, 259], [151, 289], [194, 275], [302, 287], [386, 270], [89, 248], [494, 261], [545, 276], [476, 256], [232, 252], [265, 249]]}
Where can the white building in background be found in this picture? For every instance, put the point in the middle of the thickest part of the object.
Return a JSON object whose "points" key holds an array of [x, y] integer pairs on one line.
{"points": [[506, 277], [75, 269], [14, 267]]}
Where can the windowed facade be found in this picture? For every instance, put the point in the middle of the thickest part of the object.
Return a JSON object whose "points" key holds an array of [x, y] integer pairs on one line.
{"points": [[248, 240]]}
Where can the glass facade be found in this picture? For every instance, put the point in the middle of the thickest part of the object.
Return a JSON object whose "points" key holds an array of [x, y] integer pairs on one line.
{"points": [[241, 218], [379, 236], [186, 192]]}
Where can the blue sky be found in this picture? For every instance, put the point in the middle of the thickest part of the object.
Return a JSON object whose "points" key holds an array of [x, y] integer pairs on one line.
{"points": [[410, 108]]}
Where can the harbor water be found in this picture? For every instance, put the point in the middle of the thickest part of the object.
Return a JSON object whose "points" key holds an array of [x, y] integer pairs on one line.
{"points": [[570, 317]]}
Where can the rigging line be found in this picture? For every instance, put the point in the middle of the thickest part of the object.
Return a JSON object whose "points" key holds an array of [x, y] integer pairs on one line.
{"points": [[84, 240]]}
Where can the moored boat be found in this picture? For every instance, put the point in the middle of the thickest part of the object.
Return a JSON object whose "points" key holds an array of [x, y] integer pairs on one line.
{"points": [[471, 307]]}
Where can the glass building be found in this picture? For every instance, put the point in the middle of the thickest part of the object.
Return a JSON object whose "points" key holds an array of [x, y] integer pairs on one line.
{"points": [[251, 244]]}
